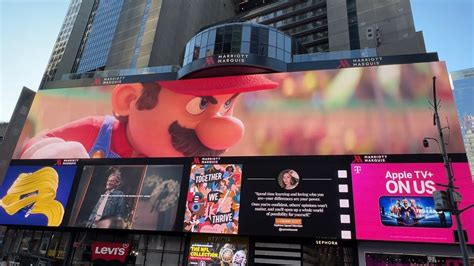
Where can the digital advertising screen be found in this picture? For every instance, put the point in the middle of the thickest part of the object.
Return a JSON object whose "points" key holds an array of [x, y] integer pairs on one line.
{"points": [[207, 250], [35, 194], [361, 110], [387, 259], [299, 196], [213, 199], [140, 197], [412, 211], [394, 201]]}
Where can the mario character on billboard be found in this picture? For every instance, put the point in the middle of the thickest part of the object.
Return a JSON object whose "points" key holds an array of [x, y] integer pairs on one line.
{"points": [[164, 119]]}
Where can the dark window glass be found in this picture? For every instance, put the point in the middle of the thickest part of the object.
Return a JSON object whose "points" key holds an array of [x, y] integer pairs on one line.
{"points": [[226, 48], [220, 35], [235, 48], [352, 23], [263, 35], [36, 241], [228, 34], [44, 243], [263, 50], [254, 48], [196, 53], [218, 48], [237, 33], [254, 35]]}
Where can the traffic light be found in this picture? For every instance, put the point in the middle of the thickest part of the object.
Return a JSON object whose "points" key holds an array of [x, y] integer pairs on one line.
{"points": [[441, 201]]}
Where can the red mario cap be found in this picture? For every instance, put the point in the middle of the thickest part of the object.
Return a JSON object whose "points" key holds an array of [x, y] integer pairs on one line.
{"points": [[220, 85]]}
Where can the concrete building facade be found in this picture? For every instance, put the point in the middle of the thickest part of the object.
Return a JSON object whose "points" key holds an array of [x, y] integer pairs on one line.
{"points": [[340, 25], [141, 34]]}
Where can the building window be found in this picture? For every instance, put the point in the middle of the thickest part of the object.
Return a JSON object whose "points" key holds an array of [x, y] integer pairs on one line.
{"points": [[245, 47], [246, 33], [235, 48]]}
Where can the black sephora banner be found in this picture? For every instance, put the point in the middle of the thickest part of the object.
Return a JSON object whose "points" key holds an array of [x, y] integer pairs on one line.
{"points": [[297, 196]]}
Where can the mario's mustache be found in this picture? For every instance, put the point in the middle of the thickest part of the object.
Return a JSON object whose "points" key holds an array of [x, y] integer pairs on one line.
{"points": [[186, 141]]}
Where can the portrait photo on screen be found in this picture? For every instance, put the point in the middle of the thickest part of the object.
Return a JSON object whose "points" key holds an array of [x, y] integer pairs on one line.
{"points": [[412, 211], [288, 179], [127, 197], [213, 200], [35, 195], [109, 196]]}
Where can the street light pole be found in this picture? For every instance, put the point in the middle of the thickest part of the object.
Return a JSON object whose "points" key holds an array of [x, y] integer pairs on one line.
{"points": [[450, 191]]}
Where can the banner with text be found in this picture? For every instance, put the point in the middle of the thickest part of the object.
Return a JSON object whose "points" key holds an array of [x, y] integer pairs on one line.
{"points": [[218, 250], [288, 197], [394, 201], [110, 251], [213, 199]]}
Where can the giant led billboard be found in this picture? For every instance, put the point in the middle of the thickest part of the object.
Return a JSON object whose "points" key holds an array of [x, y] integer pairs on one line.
{"points": [[35, 194], [394, 201], [299, 197], [139, 197], [213, 200], [380, 109]]}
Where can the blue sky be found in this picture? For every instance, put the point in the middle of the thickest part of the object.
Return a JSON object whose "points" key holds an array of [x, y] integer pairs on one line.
{"points": [[29, 28]]}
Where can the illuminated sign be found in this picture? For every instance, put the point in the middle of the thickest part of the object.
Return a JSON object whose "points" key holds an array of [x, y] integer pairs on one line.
{"points": [[213, 199], [141, 197], [370, 110], [110, 251], [399, 205], [211, 250], [35, 195]]}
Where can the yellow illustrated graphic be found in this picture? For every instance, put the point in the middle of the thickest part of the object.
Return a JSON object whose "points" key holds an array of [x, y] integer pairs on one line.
{"points": [[37, 189]]}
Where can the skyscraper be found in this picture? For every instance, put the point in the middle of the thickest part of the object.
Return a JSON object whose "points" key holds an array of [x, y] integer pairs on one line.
{"points": [[329, 25], [463, 83], [74, 31], [106, 35]]}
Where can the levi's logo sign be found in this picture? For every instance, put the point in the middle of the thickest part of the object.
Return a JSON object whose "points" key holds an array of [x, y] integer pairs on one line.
{"points": [[109, 251]]}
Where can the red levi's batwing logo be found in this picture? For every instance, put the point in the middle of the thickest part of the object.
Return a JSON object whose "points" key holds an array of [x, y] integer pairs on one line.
{"points": [[109, 251]]}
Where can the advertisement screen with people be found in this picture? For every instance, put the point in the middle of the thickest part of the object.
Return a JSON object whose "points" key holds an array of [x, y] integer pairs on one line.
{"points": [[362, 110], [141, 197], [206, 250], [412, 211], [394, 201], [35, 194]]}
